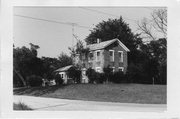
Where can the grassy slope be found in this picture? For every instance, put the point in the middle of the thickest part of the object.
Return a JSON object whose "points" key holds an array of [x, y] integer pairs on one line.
{"points": [[127, 93]]}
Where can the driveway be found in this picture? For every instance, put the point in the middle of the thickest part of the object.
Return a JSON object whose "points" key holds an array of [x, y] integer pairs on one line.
{"points": [[41, 103]]}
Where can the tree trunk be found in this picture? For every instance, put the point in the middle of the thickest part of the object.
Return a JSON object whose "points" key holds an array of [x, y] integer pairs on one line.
{"points": [[20, 76]]}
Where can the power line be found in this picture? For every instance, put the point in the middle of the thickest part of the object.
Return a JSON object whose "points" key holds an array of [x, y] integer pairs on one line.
{"points": [[54, 21], [106, 13]]}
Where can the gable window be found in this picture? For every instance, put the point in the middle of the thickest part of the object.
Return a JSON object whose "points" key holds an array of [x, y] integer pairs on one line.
{"points": [[111, 54], [121, 69], [97, 55], [120, 54]]}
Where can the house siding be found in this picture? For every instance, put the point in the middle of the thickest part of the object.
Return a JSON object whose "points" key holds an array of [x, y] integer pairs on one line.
{"points": [[116, 63], [104, 59], [99, 63]]}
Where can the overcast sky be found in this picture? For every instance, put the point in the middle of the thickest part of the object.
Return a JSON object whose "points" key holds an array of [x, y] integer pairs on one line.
{"points": [[54, 38]]}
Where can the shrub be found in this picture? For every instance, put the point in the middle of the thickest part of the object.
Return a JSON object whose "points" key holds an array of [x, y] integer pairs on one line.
{"points": [[99, 77], [91, 74], [21, 106], [58, 79], [163, 74], [75, 74], [34, 80], [118, 77]]}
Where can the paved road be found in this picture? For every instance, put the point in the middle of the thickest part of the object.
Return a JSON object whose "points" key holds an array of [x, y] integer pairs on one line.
{"points": [[40, 103]]}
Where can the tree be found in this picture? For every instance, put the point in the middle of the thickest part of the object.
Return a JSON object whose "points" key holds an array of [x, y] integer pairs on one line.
{"points": [[64, 59], [107, 72], [74, 73], [34, 48], [157, 24], [91, 73], [114, 28], [49, 65], [26, 63]]}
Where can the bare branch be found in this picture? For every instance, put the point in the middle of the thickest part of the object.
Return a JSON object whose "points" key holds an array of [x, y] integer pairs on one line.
{"points": [[160, 20], [146, 29], [158, 24]]}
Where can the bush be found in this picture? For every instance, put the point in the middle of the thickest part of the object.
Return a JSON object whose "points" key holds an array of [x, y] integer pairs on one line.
{"points": [[58, 79], [118, 77], [95, 77], [91, 74], [16, 81], [34, 80], [21, 106], [99, 77], [75, 74], [163, 75]]}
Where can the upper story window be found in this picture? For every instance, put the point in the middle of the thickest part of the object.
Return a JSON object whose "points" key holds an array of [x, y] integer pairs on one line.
{"points": [[97, 55], [91, 55], [111, 54], [120, 53]]}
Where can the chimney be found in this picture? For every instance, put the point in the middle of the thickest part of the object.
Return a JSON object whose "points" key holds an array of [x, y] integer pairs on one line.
{"points": [[98, 40]]}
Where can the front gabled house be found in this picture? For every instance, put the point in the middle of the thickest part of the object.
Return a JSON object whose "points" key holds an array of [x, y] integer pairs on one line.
{"points": [[111, 53]]}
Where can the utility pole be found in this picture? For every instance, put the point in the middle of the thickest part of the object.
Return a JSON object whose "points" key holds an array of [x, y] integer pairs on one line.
{"points": [[73, 24]]}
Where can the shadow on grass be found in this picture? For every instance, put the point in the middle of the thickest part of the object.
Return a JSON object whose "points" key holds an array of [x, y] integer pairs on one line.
{"points": [[37, 91]]}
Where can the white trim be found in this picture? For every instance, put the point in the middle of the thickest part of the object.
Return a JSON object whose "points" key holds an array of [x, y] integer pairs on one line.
{"points": [[121, 55], [121, 68], [120, 43], [113, 54], [97, 68], [113, 69], [96, 54]]}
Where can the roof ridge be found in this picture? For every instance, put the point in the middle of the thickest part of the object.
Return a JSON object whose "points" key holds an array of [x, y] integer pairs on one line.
{"points": [[104, 44]]}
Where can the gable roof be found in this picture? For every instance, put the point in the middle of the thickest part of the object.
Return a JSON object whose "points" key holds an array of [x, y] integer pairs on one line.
{"points": [[62, 69], [104, 44]]}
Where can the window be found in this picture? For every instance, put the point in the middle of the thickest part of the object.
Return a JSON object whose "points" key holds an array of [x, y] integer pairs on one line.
{"points": [[62, 76], [91, 56], [113, 69], [111, 53], [98, 69], [120, 56], [121, 69], [97, 55]]}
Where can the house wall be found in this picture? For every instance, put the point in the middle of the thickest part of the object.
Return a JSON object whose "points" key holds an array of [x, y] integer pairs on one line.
{"points": [[116, 63], [97, 64], [105, 59], [65, 78]]}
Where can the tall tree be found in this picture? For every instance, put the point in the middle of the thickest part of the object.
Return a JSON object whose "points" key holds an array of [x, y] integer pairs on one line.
{"points": [[114, 28], [26, 63]]}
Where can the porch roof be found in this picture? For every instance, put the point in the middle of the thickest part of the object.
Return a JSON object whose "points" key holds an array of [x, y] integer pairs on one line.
{"points": [[62, 69]]}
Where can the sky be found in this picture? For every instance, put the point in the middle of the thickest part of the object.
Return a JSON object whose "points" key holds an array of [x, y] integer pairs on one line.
{"points": [[34, 25]]}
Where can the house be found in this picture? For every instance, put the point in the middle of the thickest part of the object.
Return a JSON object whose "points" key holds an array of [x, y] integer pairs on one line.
{"points": [[63, 73], [111, 53]]}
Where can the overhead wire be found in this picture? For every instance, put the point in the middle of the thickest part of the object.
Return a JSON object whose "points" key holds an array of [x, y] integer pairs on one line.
{"points": [[97, 11], [53, 21]]}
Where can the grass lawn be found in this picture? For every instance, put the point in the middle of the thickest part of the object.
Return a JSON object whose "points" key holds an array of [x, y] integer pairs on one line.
{"points": [[124, 93]]}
